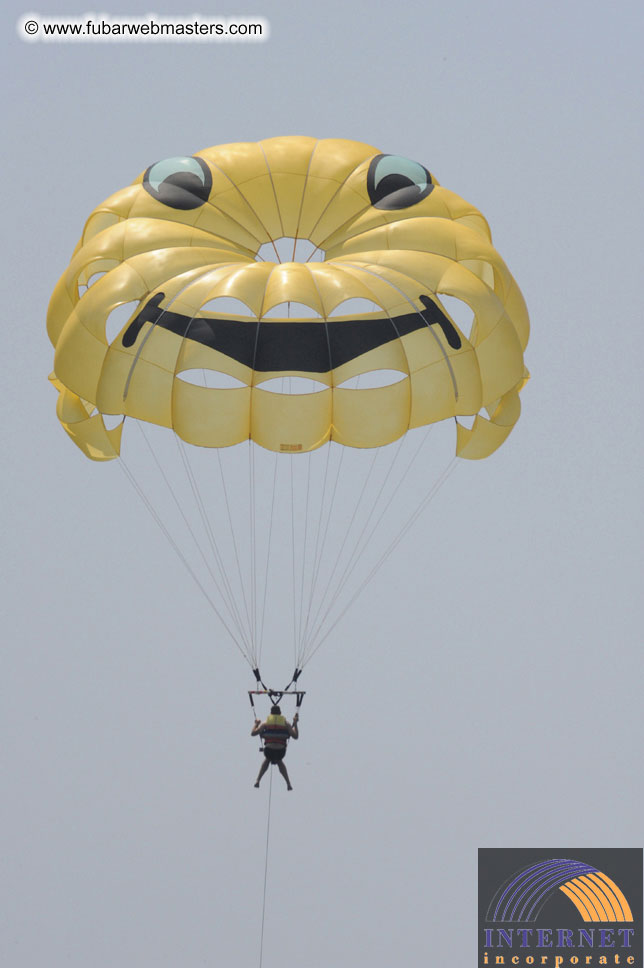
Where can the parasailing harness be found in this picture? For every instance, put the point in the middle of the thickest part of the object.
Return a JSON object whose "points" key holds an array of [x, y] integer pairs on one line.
{"points": [[275, 696]]}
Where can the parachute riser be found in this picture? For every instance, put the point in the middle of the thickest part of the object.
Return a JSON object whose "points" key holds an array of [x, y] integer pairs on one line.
{"points": [[275, 695]]}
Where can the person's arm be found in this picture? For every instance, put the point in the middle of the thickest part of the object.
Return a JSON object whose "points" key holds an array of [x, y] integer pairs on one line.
{"points": [[256, 728], [293, 730]]}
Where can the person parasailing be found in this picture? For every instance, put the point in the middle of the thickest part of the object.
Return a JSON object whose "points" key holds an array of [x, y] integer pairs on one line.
{"points": [[410, 320], [275, 733]]}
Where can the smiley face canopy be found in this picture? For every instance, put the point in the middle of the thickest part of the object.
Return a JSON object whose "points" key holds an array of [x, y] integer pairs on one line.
{"points": [[192, 232]]}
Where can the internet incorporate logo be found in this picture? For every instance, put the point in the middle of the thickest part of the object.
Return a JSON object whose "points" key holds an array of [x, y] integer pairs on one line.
{"points": [[596, 896], [537, 907]]}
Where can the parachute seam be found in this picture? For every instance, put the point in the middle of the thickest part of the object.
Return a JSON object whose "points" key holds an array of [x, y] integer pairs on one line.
{"points": [[299, 214], [270, 175], [252, 209], [332, 199]]}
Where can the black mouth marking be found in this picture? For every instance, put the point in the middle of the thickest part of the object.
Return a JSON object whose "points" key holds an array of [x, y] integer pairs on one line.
{"points": [[309, 347]]}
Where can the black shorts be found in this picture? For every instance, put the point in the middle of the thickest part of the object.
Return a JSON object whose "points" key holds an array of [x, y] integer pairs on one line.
{"points": [[274, 755]]}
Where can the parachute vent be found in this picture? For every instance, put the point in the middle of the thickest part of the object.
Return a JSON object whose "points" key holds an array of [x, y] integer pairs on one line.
{"points": [[288, 249]]}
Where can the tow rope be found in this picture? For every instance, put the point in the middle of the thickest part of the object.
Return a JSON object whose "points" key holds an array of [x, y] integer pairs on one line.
{"points": [[268, 831]]}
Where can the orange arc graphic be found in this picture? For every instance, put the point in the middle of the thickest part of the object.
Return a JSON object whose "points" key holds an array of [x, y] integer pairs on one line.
{"points": [[604, 904], [606, 896], [577, 901], [582, 901], [597, 898], [627, 914]]}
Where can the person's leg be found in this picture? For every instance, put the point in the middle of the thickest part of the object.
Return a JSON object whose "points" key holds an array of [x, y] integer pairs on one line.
{"points": [[262, 771], [281, 767]]}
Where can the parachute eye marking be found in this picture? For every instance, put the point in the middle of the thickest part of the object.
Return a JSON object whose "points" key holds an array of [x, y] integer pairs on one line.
{"points": [[394, 182], [182, 182]]}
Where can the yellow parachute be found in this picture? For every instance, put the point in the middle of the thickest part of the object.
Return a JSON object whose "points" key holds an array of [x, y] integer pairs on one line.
{"points": [[248, 270]]}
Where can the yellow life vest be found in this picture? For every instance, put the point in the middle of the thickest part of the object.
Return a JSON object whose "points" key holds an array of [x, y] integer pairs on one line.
{"points": [[275, 732], [276, 720]]}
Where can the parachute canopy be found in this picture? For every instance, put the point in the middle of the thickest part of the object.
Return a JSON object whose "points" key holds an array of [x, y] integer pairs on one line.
{"points": [[399, 314]]}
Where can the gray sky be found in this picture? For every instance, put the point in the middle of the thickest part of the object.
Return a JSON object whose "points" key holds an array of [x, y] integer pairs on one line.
{"points": [[486, 689]]}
